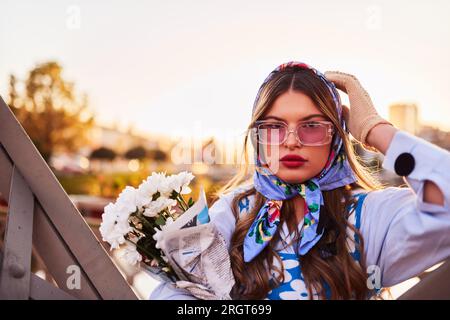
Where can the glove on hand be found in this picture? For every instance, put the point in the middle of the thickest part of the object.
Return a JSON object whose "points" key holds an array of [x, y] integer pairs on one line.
{"points": [[362, 116]]}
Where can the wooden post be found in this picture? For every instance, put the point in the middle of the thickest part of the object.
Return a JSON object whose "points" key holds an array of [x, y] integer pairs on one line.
{"points": [[15, 268], [49, 220], [434, 286]]}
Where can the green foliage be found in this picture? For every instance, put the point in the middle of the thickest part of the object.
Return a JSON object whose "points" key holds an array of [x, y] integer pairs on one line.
{"points": [[103, 153], [52, 114], [160, 221], [191, 202], [105, 185], [136, 153]]}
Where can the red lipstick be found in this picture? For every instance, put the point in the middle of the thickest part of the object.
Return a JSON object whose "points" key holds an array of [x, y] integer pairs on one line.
{"points": [[292, 161]]}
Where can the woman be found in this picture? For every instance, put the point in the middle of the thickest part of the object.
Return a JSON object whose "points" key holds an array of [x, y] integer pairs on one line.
{"points": [[313, 223]]}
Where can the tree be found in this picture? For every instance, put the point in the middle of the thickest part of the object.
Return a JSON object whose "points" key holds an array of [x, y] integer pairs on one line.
{"points": [[136, 153], [103, 153], [157, 155], [55, 118]]}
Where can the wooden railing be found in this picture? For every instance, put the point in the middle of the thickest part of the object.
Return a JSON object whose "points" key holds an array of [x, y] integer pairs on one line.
{"points": [[433, 285], [40, 214]]}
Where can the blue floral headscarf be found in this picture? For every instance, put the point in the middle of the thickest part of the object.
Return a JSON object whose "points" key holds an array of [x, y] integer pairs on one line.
{"points": [[336, 173]]}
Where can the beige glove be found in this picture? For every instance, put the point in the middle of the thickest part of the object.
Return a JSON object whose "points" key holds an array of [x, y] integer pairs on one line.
{"points": [[362, 115]]}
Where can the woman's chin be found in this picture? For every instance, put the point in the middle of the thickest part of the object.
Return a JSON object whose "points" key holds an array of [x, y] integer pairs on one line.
{"points": [[299, 174], [291, 177]]}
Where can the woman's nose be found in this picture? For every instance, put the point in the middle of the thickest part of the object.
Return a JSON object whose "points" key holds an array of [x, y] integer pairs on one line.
{"points": [[291, 140]]}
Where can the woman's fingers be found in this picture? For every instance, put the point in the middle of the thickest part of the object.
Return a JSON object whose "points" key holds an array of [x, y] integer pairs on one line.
{"points": [[337, 79], [342, 80]]}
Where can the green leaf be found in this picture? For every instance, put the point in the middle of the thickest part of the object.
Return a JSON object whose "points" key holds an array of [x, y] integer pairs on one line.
{"points": [[287, 190], [311, 185], [313, 207], [160, 221], [258, 238]]}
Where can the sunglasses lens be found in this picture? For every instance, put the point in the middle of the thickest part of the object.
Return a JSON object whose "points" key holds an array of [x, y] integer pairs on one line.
{"points": [[311, 133], [271, 133]]}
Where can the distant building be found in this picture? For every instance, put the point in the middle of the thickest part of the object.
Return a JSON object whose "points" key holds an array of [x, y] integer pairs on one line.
{"points": [[435, 136], [405, 117], [101, 136]]}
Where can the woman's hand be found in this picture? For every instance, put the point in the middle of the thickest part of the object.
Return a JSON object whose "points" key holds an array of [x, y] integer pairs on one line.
{"points": [[362, 116]]}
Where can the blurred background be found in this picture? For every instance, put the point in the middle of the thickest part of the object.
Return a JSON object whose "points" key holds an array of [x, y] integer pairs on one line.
{"points": [[110, 91]]}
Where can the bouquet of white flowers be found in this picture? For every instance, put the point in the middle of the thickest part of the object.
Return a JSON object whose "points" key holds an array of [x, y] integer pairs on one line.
{"points": [[171, 237]]}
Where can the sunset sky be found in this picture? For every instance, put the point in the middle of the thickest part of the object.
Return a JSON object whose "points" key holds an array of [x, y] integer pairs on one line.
{"points": [[178, 66]]}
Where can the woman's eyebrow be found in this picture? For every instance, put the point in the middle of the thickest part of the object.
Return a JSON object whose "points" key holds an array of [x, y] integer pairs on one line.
{"points": [[305, 118]]}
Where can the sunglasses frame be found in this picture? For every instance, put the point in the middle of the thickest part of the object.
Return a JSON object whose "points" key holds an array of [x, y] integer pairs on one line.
{"points": [[326, 140]]}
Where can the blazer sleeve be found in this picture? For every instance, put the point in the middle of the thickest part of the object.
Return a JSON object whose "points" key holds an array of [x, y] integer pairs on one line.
{"points": [[168, 291], [403, 235]]}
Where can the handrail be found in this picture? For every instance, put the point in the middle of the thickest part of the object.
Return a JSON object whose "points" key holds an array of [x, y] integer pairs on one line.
{"points": [[41, 213]]}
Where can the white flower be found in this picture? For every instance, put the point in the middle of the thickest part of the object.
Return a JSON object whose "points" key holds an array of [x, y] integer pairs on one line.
{"points": [[145, 192], [178, 183], [131, 255], [114, 226], [156, 179], [112, 235], [155, 207], [185, 190], [126, 203], [166, 187], [299, 291], [185, 178], [157, 236]]}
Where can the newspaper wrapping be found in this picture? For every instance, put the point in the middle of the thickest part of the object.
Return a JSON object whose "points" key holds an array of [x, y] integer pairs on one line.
{"points": [[198, 254]]}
